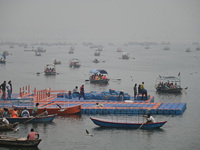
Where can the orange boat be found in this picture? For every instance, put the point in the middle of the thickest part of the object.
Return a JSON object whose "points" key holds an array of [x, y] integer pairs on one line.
{"points": [[60, 111], [55, 110]]}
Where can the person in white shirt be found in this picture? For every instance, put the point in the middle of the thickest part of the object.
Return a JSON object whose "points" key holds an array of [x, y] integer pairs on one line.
{"points": [[150, 119]]}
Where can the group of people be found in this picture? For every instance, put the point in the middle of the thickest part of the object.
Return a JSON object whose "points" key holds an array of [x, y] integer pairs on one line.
{"points": [[168, 85], [140, 90], [50, 70], [3, 88], [98, 77]]}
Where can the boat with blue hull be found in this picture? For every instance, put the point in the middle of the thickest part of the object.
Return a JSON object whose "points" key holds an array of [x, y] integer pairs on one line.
{"points": [[40, 119], [118, 124]]}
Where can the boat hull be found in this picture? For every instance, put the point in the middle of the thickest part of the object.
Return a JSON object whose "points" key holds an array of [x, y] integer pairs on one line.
{"points": [[177, 90], [99, 81], [41, 119], [9, 141], [111, 124]]}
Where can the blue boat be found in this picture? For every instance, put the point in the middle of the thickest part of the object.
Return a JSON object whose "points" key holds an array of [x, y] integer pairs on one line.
{"points": [[40, 119], [114, 124]]}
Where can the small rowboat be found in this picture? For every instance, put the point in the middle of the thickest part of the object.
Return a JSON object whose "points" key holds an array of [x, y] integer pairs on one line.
{"points": [[113, 124], [40, 119], [10, 126], [12, 141]]}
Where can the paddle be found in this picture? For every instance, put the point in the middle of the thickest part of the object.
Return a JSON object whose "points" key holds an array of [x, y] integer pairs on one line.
{"points": [[34, 117], [61, 109], [143, 122]]}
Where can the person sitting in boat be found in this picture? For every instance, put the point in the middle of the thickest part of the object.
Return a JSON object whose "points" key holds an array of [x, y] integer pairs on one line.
{"points": [[32, 134], [15, 113], [149, 119], [45, 112], [35, 109], [99, 105], [25, 113], [4, 121], [5, 113]]}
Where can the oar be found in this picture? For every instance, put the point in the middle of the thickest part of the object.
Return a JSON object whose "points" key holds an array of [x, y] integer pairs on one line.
{"points": [[87, 80], [143, 122], [61, 109], [34, 117]]}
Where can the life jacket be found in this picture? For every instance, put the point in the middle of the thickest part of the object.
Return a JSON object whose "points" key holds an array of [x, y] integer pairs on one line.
{"points": [[14, 114]]}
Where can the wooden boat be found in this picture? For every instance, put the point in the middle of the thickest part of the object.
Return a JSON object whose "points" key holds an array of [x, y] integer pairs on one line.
{"points": [[50, 69], [168, 84], [40, 119], [114, 124], [11, 126], [56, 62], [12, 141], [96, 53], [61, 111]]}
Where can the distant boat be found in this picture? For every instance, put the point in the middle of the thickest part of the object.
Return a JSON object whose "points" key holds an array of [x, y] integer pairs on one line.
{"points": [[125, 55], [198, 48], [50, 69], [121, 124], [119, 50], [96, 53], [74, 63], [38, 54], [18, 142], [40, 49], [56, 62], [166, 48], [2, 59], [188, 50]]}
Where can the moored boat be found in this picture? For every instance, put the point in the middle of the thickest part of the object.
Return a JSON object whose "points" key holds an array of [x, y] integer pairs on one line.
{"points": [[118, 124], [31, 119], [12, 141]]}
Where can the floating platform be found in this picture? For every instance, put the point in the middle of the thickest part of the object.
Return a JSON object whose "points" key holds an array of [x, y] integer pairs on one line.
{"points": [[111, 106]]}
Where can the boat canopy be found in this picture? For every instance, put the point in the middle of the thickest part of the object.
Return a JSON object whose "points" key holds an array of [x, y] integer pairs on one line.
{"points": [[168, 79], [96, 71]]}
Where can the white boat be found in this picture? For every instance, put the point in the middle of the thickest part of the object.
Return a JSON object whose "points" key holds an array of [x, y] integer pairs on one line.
{"points": [[74, 63]]}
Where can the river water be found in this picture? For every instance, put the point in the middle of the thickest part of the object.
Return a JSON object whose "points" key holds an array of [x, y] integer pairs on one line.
{"points": [[145, 65]]}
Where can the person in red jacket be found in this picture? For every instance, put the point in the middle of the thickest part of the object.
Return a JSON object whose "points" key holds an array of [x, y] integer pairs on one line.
{"points": [[82, 92]]}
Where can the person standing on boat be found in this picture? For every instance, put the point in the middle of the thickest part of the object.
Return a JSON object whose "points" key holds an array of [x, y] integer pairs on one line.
{"points": [[82, 92], [32, 134], [35, 109], [15, 113], [149, 119], [25, 113], [135, 91], [3, 88], [142, 86], [9, 89]]}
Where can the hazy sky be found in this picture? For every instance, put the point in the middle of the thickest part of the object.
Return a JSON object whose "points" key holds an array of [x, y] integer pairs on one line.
{"points": [[136, 20]]}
